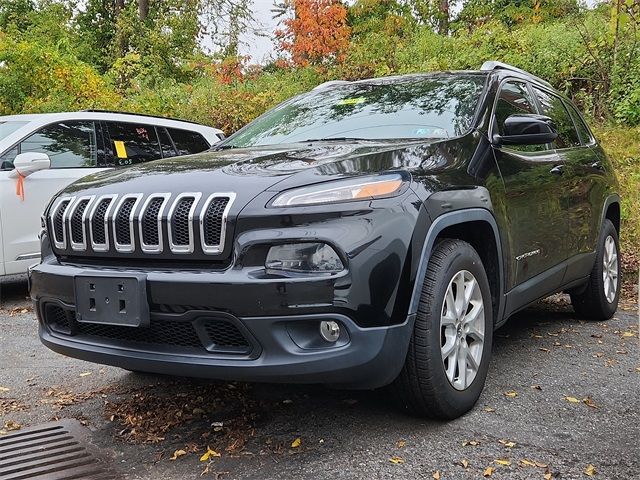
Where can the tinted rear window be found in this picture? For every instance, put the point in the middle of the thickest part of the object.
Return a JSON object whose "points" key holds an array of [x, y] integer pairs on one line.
{"points": [[188, 142]]}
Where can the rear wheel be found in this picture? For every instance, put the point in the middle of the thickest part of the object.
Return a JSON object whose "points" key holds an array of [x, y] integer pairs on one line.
{"points": [[449, 352], [599, 299]]}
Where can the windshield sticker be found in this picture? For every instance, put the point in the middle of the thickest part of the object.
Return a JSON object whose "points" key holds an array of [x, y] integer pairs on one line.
{"points": [[121, 150], [351, 101]]}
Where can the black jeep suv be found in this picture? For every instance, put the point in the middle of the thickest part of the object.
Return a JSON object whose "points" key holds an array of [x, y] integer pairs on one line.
{"points": [[363, 234]]}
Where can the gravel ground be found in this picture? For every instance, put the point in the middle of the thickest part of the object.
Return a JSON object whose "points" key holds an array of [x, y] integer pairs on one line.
{"points": [[561, 401]]}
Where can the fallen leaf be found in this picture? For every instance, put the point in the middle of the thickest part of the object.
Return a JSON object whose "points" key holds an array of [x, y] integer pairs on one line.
{"points": [[544, 349], [11, 426], [504, 463], [287, 401], [85, 374], [598, 354], [628, 334], [527, 463], [473, 443], [551, 334], [507, 443], [436, 475], [490, 410], [208, 454], [571, 399], [296, 443], [588, 401], [465, 463], [547, 476], [401, 443], [177, 454], [488, 471], [4, 389], [590, 471], [511, 394], [396, 460]]}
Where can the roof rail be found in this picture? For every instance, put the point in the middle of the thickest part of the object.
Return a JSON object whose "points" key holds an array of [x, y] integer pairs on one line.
{"points": [[96, 110], [493, 65], [331, 83]]}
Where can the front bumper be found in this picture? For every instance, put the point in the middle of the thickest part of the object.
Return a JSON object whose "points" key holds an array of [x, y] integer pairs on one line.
{"points": [[282, 347]]}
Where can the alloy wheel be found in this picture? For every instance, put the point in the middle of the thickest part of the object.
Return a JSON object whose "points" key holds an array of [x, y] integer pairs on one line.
{"points": [[462, 330], [610, 269]]}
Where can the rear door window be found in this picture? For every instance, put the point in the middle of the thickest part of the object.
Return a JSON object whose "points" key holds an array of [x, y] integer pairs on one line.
{"points": [[188, 142], [68, 144], [552, 106], [133, 143], [165, 143], [585, 134]]}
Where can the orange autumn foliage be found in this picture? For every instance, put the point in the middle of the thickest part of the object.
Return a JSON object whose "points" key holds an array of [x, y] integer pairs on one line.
{"points": [[317, 32]]}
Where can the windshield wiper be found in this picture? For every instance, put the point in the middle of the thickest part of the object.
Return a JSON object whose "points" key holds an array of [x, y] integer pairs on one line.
{"points": [[334, 139], [222, 147]]}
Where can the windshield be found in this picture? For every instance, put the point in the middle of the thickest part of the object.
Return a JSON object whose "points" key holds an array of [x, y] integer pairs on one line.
{"points": [[7, 128], [419, 107]]}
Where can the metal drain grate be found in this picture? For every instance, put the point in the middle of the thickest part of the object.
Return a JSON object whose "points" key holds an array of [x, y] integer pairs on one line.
{"points": [[53, 451]]}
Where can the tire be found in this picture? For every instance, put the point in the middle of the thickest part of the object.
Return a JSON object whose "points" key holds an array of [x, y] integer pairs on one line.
{"points": [[593, 302], [423, 387]]}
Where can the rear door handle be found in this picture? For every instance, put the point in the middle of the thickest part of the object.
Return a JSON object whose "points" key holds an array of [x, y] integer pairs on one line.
{"points": [[557, 170]]}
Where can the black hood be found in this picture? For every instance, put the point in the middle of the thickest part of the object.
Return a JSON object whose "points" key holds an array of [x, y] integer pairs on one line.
{"points": [[249, 171]]}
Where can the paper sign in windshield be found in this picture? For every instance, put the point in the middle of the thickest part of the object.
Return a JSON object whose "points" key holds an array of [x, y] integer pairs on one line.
{"points": [[121, 150], [351, 101]]}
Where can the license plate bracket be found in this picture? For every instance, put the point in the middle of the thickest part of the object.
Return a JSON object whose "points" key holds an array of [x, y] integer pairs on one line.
{"points": [[111, 300]]}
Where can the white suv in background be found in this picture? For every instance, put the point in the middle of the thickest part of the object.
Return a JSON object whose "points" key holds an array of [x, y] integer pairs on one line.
{"points": [[42, 153]]}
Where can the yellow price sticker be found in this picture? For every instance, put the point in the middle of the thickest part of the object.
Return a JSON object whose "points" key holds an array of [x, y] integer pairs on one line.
{"points": [[351, 101], [121, 150]]}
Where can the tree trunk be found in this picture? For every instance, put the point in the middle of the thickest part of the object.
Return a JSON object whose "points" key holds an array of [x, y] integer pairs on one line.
{"points": [[443, 17], [143, 9], [120, 39]]}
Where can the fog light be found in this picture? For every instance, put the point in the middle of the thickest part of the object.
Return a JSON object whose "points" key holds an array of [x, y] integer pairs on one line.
{"points": [[304, 258], [330, 330]]}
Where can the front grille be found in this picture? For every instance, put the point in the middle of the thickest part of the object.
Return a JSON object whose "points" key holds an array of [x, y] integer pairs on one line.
{"points": [[98, 221], [77, 227], [58, 221], [225, 334], [180, 223], [213, 221], [205, 334], [84, 226], [122, 222], [150, 235]]}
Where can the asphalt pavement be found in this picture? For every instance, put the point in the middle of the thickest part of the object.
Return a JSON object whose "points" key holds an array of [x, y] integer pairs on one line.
{"points": [[561, 402]]}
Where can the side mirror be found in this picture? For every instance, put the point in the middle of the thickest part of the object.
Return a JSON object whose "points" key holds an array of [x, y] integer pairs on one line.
{"points": [[31, 162], [526, 129]]}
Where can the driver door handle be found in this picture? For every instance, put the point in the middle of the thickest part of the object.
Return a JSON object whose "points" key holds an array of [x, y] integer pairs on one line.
{"points": [[557, 170]]}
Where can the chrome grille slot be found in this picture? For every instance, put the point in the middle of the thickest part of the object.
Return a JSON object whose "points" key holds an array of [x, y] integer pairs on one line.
{"points": [[77, 230], [58, 215], [213, 220], [98, 221], [123, 216], [180, 222], [151, 223]]}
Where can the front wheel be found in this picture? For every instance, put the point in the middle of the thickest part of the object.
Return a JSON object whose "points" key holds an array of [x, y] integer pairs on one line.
{"points": [[449, 352], [599, 299]]}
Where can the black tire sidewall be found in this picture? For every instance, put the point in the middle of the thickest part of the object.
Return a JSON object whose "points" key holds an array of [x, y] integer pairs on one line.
{"points": [[457, 402], [608, 230]]}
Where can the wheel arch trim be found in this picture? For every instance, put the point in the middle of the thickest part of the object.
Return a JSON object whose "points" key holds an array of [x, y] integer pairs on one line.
{"points": [[608, 201], [437, 226]]}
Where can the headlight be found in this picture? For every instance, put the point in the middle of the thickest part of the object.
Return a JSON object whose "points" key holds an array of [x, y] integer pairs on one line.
{"points": [[361, 188], [304, 258]]}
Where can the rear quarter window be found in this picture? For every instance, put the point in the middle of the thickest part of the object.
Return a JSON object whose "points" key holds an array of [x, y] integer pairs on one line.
{"points": [[188, 142]]}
